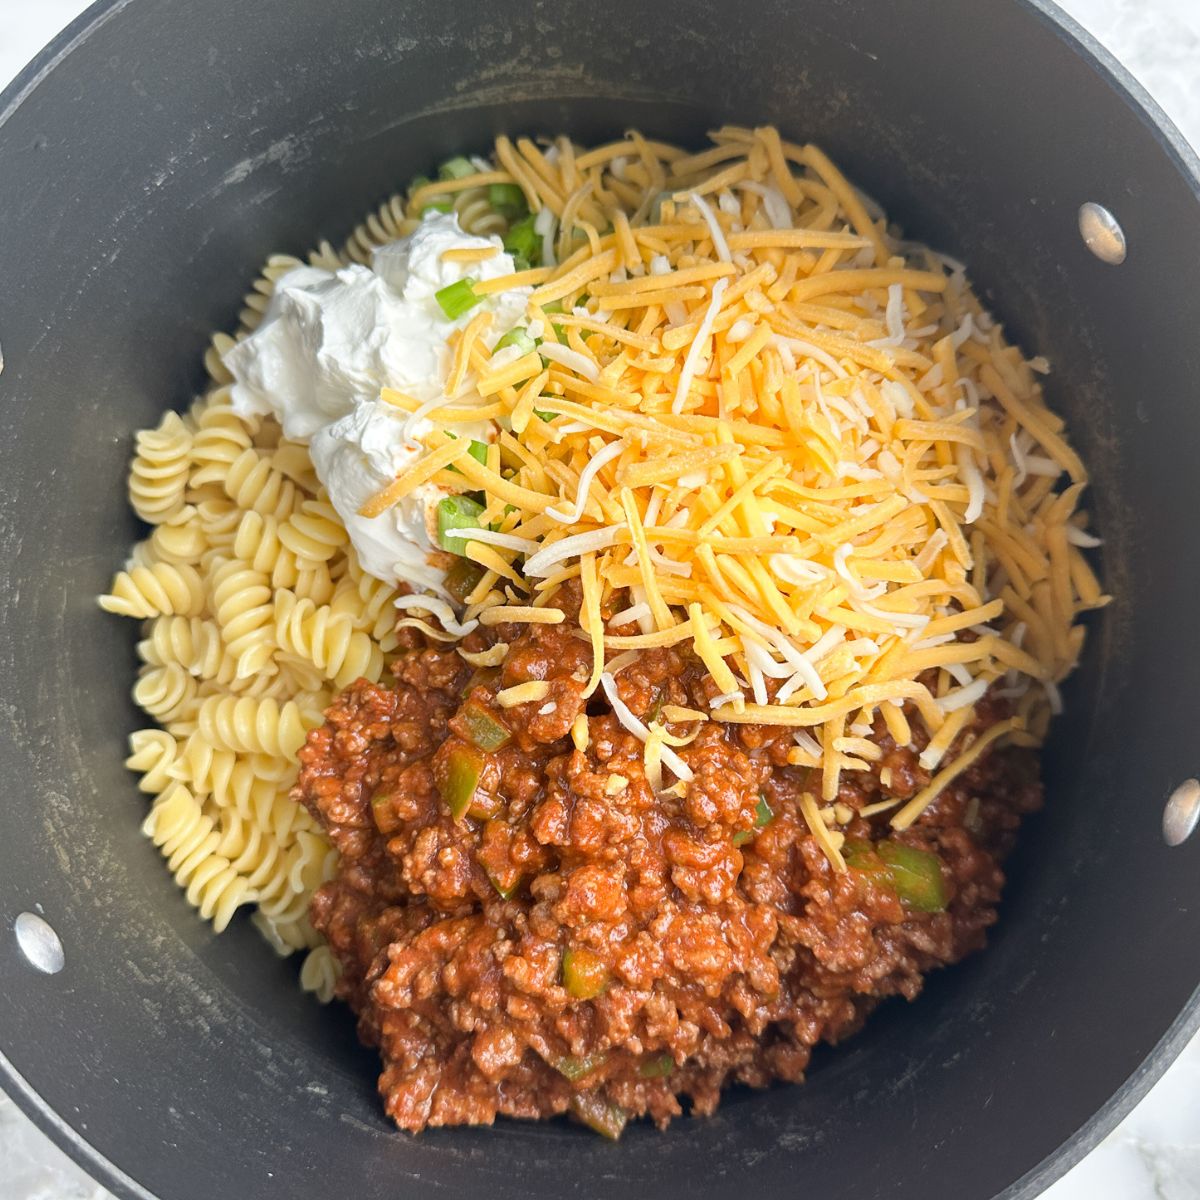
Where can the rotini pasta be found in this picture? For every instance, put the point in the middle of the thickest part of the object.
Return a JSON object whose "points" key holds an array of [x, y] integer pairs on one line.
{"points": [[241, 603], [162, 589], [159, 474], [319, 973], [153, 754], [194, 643], [313, 533], [178, 827], [167, 693], [252, 482], [255, 607], [341, 652], [179, 539], [256, 726], [257, 542]]}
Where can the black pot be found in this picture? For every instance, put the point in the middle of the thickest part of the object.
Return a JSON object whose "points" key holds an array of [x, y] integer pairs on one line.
{"points": [[156, 152]]}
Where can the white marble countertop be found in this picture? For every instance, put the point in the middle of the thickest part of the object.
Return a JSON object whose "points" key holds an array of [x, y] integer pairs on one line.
{"points": [[1155, 1153]]}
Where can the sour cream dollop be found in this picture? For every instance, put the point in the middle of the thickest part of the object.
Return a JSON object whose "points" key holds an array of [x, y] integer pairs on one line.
{"points": [[330, 341]]}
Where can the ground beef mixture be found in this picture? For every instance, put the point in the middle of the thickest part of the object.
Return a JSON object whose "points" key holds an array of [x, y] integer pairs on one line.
{"points": [[576, 943]]}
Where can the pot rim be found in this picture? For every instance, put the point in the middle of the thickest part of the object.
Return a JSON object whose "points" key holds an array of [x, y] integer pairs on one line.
{"points": [[1056, 1164]]}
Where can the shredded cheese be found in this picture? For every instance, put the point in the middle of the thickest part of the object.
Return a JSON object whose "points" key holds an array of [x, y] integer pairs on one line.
{"points": [[802, 448]]}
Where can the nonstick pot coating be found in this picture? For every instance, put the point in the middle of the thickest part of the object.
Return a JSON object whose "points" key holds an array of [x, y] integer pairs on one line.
{"points": [[148, 162]]}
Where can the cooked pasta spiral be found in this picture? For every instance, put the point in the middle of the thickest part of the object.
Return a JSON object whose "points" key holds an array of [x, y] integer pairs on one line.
{"points": [[194, 643], [257, 543], [179, 828], [254, 726], [259, 296], [314, 533], [153, 754], [167, 693], [159, 475], [320, 972], [159, 590], [286, 937], [180, 538], [386, 224], [256, 608], [221, 436], [241, 602], [292, 459], [252, 482], [476, 214], [341, 652]]}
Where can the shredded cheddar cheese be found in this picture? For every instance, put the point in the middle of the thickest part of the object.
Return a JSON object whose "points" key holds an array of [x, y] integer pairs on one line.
{"points": [[803, 447]]}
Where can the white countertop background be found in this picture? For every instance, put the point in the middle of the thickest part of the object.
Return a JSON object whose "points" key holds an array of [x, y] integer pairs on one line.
{"points": [[1155, 1153]]}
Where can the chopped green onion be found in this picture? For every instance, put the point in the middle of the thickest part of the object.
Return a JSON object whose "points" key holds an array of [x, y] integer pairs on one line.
{"points": [[419, 182], [456, 168], [463, 578], [481, 728], [762, 818], [442, 206], [477, 450], [508, 200], [463, 771], [584, 974], [517, 336], [606, 1119], [457, 298], [576, 1069], [555, 306], [521, 240], [657, 1068], [456, 512], [546, 416]]}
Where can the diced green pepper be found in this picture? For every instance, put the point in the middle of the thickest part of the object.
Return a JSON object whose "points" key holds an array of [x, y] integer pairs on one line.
{"points": [[463, 770], [481, 728], [456, 168], [762, 818], [916, 875], [575, 1068], [596, 1113], [508, 200], [463, 578], [517, 336], [505, 893], [381, 811], [584, 973], [419, 182], [456, 512], [442, 206], [522, 241], [657, 1068], [456, 298], [483, 806]]}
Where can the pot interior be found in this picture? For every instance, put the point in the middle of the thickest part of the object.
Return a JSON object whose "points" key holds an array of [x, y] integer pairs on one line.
{"points": [[144, 178]]}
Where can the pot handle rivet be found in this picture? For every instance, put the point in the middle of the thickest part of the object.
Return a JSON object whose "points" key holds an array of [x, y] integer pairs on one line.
{"points": [[37, 941], [1182, 813], [1102, 233]]}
